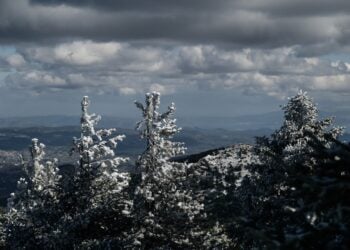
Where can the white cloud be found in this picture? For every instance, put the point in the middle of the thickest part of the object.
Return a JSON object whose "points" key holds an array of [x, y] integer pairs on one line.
{"points": [[43, 78], [163, 89], [85, 52], [78, 53], [16, 60], [130, 69], [331, 83], [127, 91]]}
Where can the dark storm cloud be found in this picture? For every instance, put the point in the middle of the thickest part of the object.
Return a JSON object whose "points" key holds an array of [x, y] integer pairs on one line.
{"points": [[235, 24], [271, 7], [139, 5], [299, 8]]}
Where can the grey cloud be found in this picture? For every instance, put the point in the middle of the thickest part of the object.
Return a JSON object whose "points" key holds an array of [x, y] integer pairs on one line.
{"points": [[299, 8], [137, 5], [234, 24], [270, 7]]}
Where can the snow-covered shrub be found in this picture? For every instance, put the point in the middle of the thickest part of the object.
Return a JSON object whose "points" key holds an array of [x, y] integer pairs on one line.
{"points": [[33, 210], [217, 178]]}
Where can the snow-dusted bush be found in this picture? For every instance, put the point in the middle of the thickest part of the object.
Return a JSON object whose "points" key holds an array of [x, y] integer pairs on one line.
{"points": [[217, 179], [33, 211]]}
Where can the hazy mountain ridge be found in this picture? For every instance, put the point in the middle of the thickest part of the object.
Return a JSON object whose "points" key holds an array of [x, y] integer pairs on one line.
{"points": [[196, 139], [270, 120]]}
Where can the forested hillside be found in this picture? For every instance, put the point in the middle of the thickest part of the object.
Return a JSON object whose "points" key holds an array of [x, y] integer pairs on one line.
{"points": [[288, 190]]}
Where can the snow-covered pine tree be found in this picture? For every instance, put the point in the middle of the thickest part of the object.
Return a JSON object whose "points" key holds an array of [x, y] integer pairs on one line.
{"points": [[290, 142], [321, 219], [164, 209], [157, 129], [97, 203], [289, 158], [33, 210]]}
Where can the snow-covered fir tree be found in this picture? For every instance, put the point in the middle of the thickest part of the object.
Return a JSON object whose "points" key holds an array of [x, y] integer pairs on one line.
{"points": [[33, 210], [164, 209], [321, 217], [97, 204], [291, 142], [157, 129], [275, 208]]}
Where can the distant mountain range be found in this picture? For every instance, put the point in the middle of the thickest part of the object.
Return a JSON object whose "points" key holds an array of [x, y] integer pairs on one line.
{"points": [[271, 120], [195, 139]]}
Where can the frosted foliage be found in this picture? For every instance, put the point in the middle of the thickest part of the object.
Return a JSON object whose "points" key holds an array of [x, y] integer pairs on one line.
{"points": [[45, 176], [298, 194], [300, 125], [88, 121], [157, 128], [99, 187], [31, 207], [96, 148], [165, 208], [232, 161], [42, 178], [300, 110], [218, 176]]}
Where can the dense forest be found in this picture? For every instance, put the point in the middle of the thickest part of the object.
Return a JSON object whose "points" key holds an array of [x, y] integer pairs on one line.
{"points": [[289, 190]]}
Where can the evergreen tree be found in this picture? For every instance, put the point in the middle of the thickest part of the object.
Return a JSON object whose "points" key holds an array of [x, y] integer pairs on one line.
{"points": [[290, 143], [165, 211], [97, 204], [288, 158], [33, 211], [321, 218], [157, 129]]}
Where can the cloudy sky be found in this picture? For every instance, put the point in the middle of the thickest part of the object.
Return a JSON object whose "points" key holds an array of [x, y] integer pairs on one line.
{"points": [[212, 57]]}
